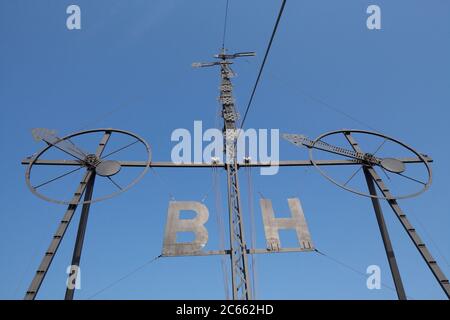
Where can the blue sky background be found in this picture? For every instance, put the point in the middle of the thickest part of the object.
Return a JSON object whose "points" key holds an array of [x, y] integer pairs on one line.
{"points": [[129, 68]]}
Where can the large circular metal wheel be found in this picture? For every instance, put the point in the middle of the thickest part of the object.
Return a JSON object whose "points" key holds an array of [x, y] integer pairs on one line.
{"points": [[99, 161], [390, 165]]}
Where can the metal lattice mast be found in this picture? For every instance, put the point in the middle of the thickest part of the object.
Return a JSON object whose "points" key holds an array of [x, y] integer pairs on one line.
{"points": [[239, 261], [238, 253]]}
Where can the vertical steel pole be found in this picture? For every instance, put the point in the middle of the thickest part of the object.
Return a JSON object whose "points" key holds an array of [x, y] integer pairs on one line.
{"points": [[74, 268], [386, 239]]}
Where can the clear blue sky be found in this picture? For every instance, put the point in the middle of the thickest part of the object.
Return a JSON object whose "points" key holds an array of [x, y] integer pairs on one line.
{"points": [[134, 57]]}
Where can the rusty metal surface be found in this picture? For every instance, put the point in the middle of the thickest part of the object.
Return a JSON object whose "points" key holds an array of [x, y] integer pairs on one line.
{"points": [[175, 224], [297, 222]]}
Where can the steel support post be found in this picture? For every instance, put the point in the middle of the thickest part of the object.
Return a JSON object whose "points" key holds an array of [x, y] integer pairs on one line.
{"points": [[87, 179], [74, 267], [56, 241], [411, 231], [386, 239]]}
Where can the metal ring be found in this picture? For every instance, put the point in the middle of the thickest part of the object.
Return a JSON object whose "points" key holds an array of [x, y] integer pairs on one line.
{"points": [[67, 202], [421, 157]]}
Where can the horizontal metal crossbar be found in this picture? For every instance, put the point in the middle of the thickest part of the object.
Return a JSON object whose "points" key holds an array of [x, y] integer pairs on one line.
{"points": [[249, 251], [286, 163]]}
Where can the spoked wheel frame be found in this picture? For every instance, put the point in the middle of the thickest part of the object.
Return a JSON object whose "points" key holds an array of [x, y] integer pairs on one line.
{"points": [[113, 165], [422, 159]]}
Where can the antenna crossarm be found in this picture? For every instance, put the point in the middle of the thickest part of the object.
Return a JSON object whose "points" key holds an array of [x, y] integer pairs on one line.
{"points": [[366, 158], [363, 157]]}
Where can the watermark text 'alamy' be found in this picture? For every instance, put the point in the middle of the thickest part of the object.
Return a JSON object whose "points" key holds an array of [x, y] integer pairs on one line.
{"points": [[251, 146]]}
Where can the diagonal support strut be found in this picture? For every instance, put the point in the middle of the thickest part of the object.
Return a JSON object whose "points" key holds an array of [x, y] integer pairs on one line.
{"points": [[411, 231]]}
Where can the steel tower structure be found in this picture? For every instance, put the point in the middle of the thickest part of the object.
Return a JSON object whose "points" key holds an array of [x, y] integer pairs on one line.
{"points": [[239, 260], [368, 163]]}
